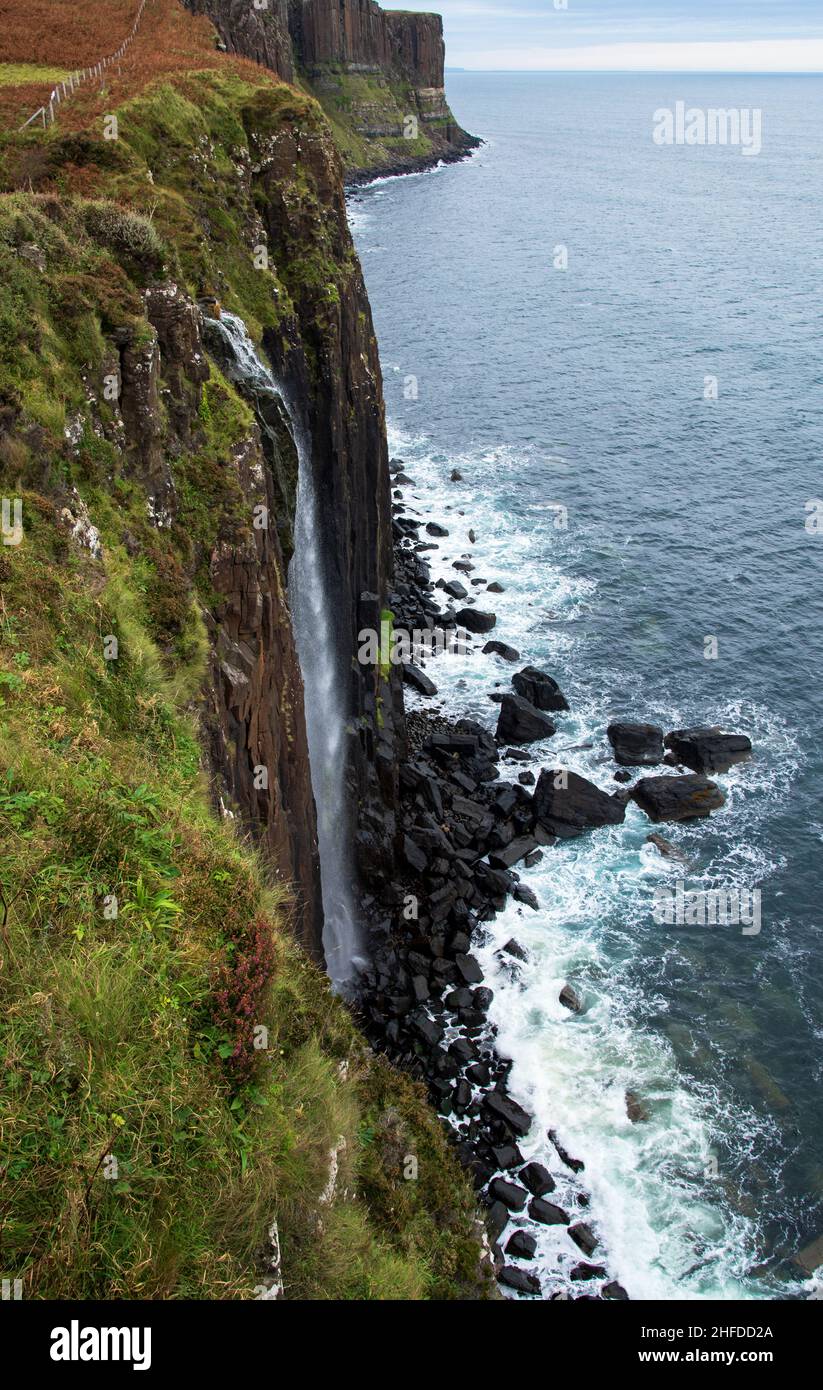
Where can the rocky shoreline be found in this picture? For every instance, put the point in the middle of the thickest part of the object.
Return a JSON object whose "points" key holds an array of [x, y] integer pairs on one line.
{"points": [[463, 828]]}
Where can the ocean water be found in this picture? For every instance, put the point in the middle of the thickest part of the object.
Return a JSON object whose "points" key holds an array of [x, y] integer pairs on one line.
{"points": [[586, 389]]}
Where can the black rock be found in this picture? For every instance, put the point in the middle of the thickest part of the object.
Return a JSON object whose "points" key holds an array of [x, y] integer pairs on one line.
{"points": [[584, 1237], [519, 1279], [522, 722], [566, 804], [512, 1196], [636, 745], [539, 689], [455, 589], [677, 798], [507, 1155], [547, 1213], [570, 999], [586, 1271], [498, 1219], [623, 776], [426, 1029], [478, 1074], [469, 969], [575, 1164], [521, 1244], [522, 894], [434, 529], [708, 750], [537, 1179], [513, 948], [512, 853], [415, 857], [474, 621], [500, 649], [513, 1116], [614, 1292], [496, 588], [418, 680]]}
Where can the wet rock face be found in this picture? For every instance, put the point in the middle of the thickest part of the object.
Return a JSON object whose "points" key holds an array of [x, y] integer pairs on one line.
{"points": [[709, 749], [253, 720], [636, 745], [566, 804], [327, 361], [260, 34], [678, 798], [359, 33]]}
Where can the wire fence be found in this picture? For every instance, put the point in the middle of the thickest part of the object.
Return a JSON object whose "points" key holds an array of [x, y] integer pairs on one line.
{"points": [[48, 113]]}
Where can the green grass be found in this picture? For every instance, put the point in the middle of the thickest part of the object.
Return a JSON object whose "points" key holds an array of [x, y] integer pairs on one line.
{"points": [[18, 74], [143, 1155]]}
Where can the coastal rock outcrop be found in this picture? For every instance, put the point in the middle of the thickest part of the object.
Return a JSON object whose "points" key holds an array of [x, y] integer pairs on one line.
{"points": [[708, 749], [636, 745], [678, 798], [378, 73], [567, 805]]}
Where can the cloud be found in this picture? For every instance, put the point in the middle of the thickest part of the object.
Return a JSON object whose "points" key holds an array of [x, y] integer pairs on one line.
{"points": [[753, 55]]}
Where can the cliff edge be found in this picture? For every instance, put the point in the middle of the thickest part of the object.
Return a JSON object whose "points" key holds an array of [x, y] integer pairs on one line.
{"points": [[378, 74]]}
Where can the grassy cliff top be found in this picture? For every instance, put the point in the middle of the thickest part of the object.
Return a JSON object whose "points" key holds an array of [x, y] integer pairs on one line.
{"points": [[147, 1143]]}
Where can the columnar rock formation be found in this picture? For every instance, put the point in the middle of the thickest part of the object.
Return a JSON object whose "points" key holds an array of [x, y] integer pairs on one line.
{"points": [[378, 73]]}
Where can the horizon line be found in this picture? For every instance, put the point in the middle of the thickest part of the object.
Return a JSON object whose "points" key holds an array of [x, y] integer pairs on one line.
{"points": [[649, 72]]}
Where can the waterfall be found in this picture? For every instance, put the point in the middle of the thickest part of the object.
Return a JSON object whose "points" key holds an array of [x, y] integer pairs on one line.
{"points": [[319, 656]]}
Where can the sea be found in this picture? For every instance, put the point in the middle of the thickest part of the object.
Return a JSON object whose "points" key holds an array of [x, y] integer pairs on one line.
{"points": [[616, 343]]}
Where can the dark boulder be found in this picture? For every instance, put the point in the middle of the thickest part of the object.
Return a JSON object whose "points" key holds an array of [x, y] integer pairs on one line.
{"points": [[537, 1179], [507, 1155], [497, 1219], [636, 745], [510, 1114], [521, 722], [418, 680], [474, 621], [500, 649], [512, 853], [512, 1196], [547, 1213], [435, 529], [522, 1245], [455, 589], [614, 1293], [415, 857], [566, 804], [587, 1271], [539, 689], [469, 969], [708, 750], [575, 1164], [584, 1237], [635, 1109], [513, 948], [519, 1279], [677, 798], [570, 999]]}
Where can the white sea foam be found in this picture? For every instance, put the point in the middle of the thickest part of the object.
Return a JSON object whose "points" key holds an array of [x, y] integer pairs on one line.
{"points": [[662, 1192]]}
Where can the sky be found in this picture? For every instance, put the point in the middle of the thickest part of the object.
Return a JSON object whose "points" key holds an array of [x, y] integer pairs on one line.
{"points": [[631, 35]]}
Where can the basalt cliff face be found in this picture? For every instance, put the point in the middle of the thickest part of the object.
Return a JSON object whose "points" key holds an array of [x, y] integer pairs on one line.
{"points": [[379, 74], [158, 828]]}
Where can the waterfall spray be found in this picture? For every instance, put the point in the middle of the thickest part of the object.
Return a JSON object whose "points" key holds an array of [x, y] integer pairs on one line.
{"points": [[321, 666]]}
